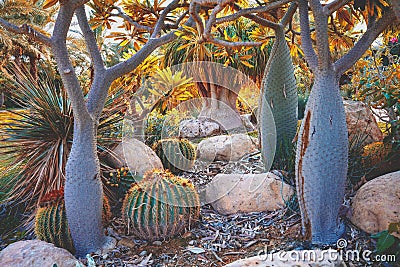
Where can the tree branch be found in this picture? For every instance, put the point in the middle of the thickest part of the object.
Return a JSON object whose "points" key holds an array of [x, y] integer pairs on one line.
{"points": [[322, 38], [262, 21], [26, 30], [306, 41], [213, 16], [333, 6], [124, 16], [90, 39], [289, 14], [99, 90], [349, 59], [64, 64], [160, 23], [254, 10], [194, 13]]}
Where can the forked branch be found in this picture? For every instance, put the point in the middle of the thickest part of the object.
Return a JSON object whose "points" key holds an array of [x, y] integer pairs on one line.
{"points": [[306, 41], [90, 39], [26, 30], [373, 31]]}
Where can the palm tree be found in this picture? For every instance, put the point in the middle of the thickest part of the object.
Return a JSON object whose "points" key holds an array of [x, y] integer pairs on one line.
{"points": [[219, 103]]}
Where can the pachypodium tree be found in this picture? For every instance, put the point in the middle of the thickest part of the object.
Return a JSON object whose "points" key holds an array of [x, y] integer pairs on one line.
{"points": [[148, 26], [83, 187], [322, 148], [279, 93]]}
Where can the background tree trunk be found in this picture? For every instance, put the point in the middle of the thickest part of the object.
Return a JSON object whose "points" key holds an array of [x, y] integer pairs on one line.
{"points": [[83, 190], [219, 104], [321, 160]]}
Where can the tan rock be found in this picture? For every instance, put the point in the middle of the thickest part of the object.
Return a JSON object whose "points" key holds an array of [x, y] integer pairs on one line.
{"points": [[377, 203], [233, 193], [360, 120], [36, 253], [294, 258], [226, 147], [194, 128], [137, 156]]}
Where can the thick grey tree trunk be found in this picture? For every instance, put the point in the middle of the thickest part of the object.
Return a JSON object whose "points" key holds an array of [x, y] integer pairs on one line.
{"points": [[321, 161], [83, 191], [219, 104]]}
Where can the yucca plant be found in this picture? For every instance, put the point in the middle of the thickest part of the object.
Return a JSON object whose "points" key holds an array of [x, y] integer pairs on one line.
{"points": [[38, 140]]}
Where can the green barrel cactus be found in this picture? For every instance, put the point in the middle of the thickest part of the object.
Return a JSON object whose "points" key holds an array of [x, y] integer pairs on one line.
{"points": [[279, 93], [176, 154], [51, 223], [160, 206]]}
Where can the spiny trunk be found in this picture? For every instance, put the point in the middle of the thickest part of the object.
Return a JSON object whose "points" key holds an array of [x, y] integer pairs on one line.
{"points": [[219, 104], [321, 161], [280, 93], [83, 191]]}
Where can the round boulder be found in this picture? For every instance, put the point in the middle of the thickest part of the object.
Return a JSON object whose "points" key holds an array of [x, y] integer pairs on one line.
{"points": [[136, 155], [361, 122], [194, 128], [377, 204], [226, 147], [233, 193], [36, 253]]}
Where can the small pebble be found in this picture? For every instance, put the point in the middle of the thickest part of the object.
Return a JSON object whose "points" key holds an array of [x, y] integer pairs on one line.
{"points": [[157, 243], [143, 253], [105, 256], [192, 242]]}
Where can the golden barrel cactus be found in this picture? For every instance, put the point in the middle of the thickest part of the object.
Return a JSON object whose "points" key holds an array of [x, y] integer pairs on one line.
{"points": [[161, 205]]}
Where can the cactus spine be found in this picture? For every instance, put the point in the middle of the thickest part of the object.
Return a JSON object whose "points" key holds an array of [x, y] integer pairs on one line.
{"points": [[176, 154], [159, 206], [51, 223], [279, 92]]}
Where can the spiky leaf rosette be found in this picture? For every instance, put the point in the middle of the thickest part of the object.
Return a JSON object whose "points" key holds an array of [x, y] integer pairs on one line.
{"points": [[37, 140], [160, 206], [51, 224], [176, 154], [280, 93]]}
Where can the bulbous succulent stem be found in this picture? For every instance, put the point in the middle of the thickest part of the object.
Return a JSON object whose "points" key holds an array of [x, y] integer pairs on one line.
{"points": [[321, 161], [279, 92], [83, 191]]}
